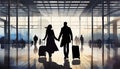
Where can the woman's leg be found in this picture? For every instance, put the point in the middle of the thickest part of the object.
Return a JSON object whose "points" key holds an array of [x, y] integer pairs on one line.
{"points": [[50, 54]]}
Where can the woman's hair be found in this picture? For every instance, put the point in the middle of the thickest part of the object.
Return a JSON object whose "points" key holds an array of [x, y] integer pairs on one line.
{"points": [[49, 27]]}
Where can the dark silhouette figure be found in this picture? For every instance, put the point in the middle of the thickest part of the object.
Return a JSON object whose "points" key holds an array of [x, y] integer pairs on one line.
{"points": [[82, 40], [99, 43], [67, 36], [35, 49], [67, 64], [50, 44], [32, 42], [90, 43], [108, 40], [35, 38], [49, 64]]}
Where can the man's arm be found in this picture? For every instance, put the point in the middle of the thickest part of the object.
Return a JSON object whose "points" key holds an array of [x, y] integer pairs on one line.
{"points": [[60, 34]]}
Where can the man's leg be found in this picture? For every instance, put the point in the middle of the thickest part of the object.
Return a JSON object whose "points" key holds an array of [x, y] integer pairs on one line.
{"points": [[67, 53], [64, 50]]}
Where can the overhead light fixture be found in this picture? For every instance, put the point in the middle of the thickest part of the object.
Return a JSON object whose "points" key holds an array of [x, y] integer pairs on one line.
{"points": [[37, 1]]}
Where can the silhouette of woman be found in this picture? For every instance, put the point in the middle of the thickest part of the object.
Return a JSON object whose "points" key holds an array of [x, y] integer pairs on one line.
{"points": [[50, 44]]}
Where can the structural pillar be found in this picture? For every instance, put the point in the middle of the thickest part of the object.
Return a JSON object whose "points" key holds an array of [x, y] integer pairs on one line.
{"points": [[115, 38], [8, 22], [79, 25], [92, 39], [108, 29], [28, 35], [17, 32], [5, 30], [103, 33]]}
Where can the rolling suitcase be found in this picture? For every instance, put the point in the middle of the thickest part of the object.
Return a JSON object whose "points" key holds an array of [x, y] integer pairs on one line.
{"points": [[75, 51], [42, 50]]}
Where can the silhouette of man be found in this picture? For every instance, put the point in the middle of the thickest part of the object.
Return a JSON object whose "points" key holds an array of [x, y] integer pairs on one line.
{"points": [[35, 38], [67, 36], [82, 40]]}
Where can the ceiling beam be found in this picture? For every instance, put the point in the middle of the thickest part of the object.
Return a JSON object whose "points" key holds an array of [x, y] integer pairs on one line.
{"points": [[76, 9], [92, 4], [69, 8], [3, 20]]}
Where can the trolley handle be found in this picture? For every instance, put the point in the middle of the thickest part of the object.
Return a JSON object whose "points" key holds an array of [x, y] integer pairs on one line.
{"points": [[72, 42], [43, 42]]}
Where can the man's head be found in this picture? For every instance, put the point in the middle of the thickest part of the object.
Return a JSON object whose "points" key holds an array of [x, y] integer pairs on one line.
{"points": [[65, 23]]}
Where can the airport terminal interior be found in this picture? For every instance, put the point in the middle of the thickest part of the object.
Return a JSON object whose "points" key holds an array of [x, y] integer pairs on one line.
{"points": [[96, 20]]}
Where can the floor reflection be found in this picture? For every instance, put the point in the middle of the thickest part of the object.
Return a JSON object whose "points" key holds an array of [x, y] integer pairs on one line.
{"points": [[25, 56], [76, 62], [53, 65]]}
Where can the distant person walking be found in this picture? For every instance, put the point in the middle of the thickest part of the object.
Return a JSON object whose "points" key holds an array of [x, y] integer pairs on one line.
{"points": [[82, 40], [50, 44], [67, 36], [77, 40], [35, 38]]}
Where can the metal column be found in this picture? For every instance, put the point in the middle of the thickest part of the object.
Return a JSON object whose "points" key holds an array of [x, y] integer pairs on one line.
{"points": [[28, 25], [102, 32], [108, 28], [108, 17], [115, 38], [8, 21], [92, 39], [40, 28], [5, 30], [17, 32], [17, 20], [7, 51], [79, 25], [28, 36]]}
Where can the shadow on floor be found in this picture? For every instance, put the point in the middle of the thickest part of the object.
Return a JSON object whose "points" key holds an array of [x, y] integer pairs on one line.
{"points": [[53, 65]]}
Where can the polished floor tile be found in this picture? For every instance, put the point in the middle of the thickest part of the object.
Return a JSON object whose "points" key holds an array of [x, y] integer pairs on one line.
{"points": [[26, 57]]}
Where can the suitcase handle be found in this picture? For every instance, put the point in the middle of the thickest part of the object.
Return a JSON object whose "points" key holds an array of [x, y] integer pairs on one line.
{"points": [[43, 42], [72, 42]]}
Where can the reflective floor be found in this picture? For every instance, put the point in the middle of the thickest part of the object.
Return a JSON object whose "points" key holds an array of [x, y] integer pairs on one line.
{"points": [[20, 56]]}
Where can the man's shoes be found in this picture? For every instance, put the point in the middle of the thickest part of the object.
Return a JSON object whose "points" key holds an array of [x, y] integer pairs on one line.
{"points": [[67, 57], [64, 57]]}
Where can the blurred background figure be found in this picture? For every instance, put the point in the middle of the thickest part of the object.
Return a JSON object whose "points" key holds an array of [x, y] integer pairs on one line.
{"points": [[76, 40], [35, 39], [82, 42]]}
